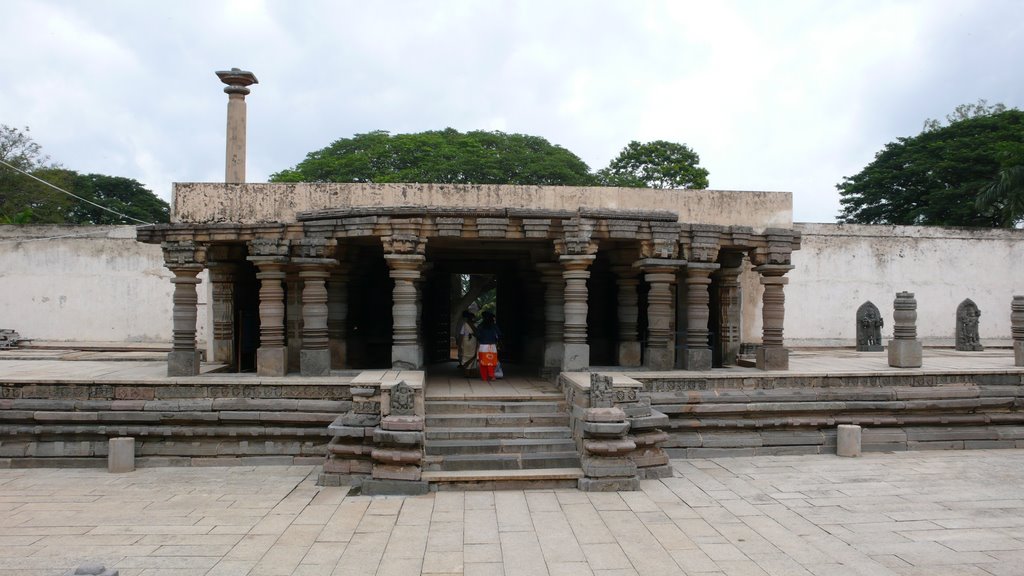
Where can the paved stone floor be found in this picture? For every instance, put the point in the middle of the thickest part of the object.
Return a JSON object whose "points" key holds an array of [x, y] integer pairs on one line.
{"points": [[914, 513]]}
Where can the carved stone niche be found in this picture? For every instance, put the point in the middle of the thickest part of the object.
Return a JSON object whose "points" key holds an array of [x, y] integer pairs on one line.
{"points": [[967, 316], [869, 328]]}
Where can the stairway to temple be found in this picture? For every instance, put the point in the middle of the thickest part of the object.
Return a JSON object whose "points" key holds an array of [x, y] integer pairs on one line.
{"points": [[493, 440]]}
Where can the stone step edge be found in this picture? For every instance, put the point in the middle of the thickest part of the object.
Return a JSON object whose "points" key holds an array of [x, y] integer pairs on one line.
{"points": [[499, 475], [555, 397], [499, 429]]}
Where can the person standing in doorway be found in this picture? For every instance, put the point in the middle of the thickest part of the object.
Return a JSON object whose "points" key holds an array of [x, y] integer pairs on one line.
{"points": [[488, 335], [467, 343]]}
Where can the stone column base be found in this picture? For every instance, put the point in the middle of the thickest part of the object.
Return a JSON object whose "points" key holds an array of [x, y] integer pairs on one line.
{"points": [[1018, 353], [659, 359], [576, 357], [183, 363], [697, 359], [773, 358], [629, 354], [406, 357], [272, 361], [315, 362], [905, 353]]}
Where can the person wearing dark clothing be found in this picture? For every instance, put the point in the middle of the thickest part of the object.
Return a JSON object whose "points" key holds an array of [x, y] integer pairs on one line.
{"points": [[488, 335]]}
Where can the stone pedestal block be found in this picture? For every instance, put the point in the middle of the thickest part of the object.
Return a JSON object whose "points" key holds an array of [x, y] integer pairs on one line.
{"points": [[848, 440], [315, 362], [576, 357], [121, 455], [773, 358], [629, 354], [183, 363], [1018, 353], [406, 357], [272, 361], [697, 359], [905, 353], [659, 359]]}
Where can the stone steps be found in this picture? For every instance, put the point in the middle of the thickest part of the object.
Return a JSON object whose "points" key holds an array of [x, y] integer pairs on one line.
{"points": [[499, 433], [470, 442]]}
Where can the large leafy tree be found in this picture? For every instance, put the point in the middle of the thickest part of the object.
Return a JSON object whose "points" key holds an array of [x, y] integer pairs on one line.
{"points": [[657, 164], [24, 199], [441, 156], [948, 175]]}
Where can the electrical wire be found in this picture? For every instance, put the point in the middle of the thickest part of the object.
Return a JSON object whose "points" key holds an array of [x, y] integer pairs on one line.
{"points": [[59, 189]]}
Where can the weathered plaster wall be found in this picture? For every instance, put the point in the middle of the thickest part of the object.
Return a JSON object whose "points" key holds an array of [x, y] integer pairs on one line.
{"points": [[251, 203], [86, 283], [839, 266]]}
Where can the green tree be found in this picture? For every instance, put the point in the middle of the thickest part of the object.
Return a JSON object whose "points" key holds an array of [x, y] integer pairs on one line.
{"points": [[1004, 197], [938, 177], [657, 164], [441, 156], [24, 199]]}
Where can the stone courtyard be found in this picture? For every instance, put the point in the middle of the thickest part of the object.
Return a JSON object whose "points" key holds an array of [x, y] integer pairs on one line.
{"points": [[912, 513]]}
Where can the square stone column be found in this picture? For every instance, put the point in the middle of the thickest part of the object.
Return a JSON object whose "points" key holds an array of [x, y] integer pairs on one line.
{"points": [[406, 271], [337, 316], [730, 310], [771, 355], [660, 275], [272, 355], [222, 281], [627, 280], [575, 271], [554, 314], [697, 349], [315, 355]]}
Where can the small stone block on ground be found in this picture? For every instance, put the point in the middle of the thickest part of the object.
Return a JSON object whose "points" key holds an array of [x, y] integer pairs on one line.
{"points": [[848, 440], [121, 455]]}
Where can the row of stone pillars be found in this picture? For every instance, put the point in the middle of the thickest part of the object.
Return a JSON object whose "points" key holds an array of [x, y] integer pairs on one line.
{"points": [[565, 306]]}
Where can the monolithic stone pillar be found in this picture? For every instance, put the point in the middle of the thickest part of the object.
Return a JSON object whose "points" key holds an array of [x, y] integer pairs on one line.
{"points": [[627, 280], [183, 359], [222, 281], [293, 317], [697, 351], [237, 82], [905, 349], [337, 316], [554, 314], [406, 271], [660, 275], [730, 311], [771, 355], [1017, 328], [272, 355], [575, 270], [315, 356]]}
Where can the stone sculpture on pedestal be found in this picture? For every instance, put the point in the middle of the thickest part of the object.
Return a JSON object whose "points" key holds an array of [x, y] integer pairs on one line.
{"points": [[967, 316]]}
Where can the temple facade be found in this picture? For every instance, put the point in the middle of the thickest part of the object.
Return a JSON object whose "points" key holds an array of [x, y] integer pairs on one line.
{"points": [[313, 277]]}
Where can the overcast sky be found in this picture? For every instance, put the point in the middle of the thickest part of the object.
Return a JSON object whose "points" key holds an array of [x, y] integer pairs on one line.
{"points": [[772, 95]]}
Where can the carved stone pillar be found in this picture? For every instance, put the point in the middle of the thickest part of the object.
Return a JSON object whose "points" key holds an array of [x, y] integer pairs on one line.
{"points": [[905, 349], [293, 316], [554, 314], [730, 311], [1017, 329], [627, 280], [237, 88], [406, 271], [183, 359], [222, 281], [337, 316], [184, 260], [272, 355], [315, 356], [697, 350], [771, 355], [575, 270], [660, 275]]}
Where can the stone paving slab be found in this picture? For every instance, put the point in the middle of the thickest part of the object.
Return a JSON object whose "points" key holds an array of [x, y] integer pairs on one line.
{"points": [[904, 514]]}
